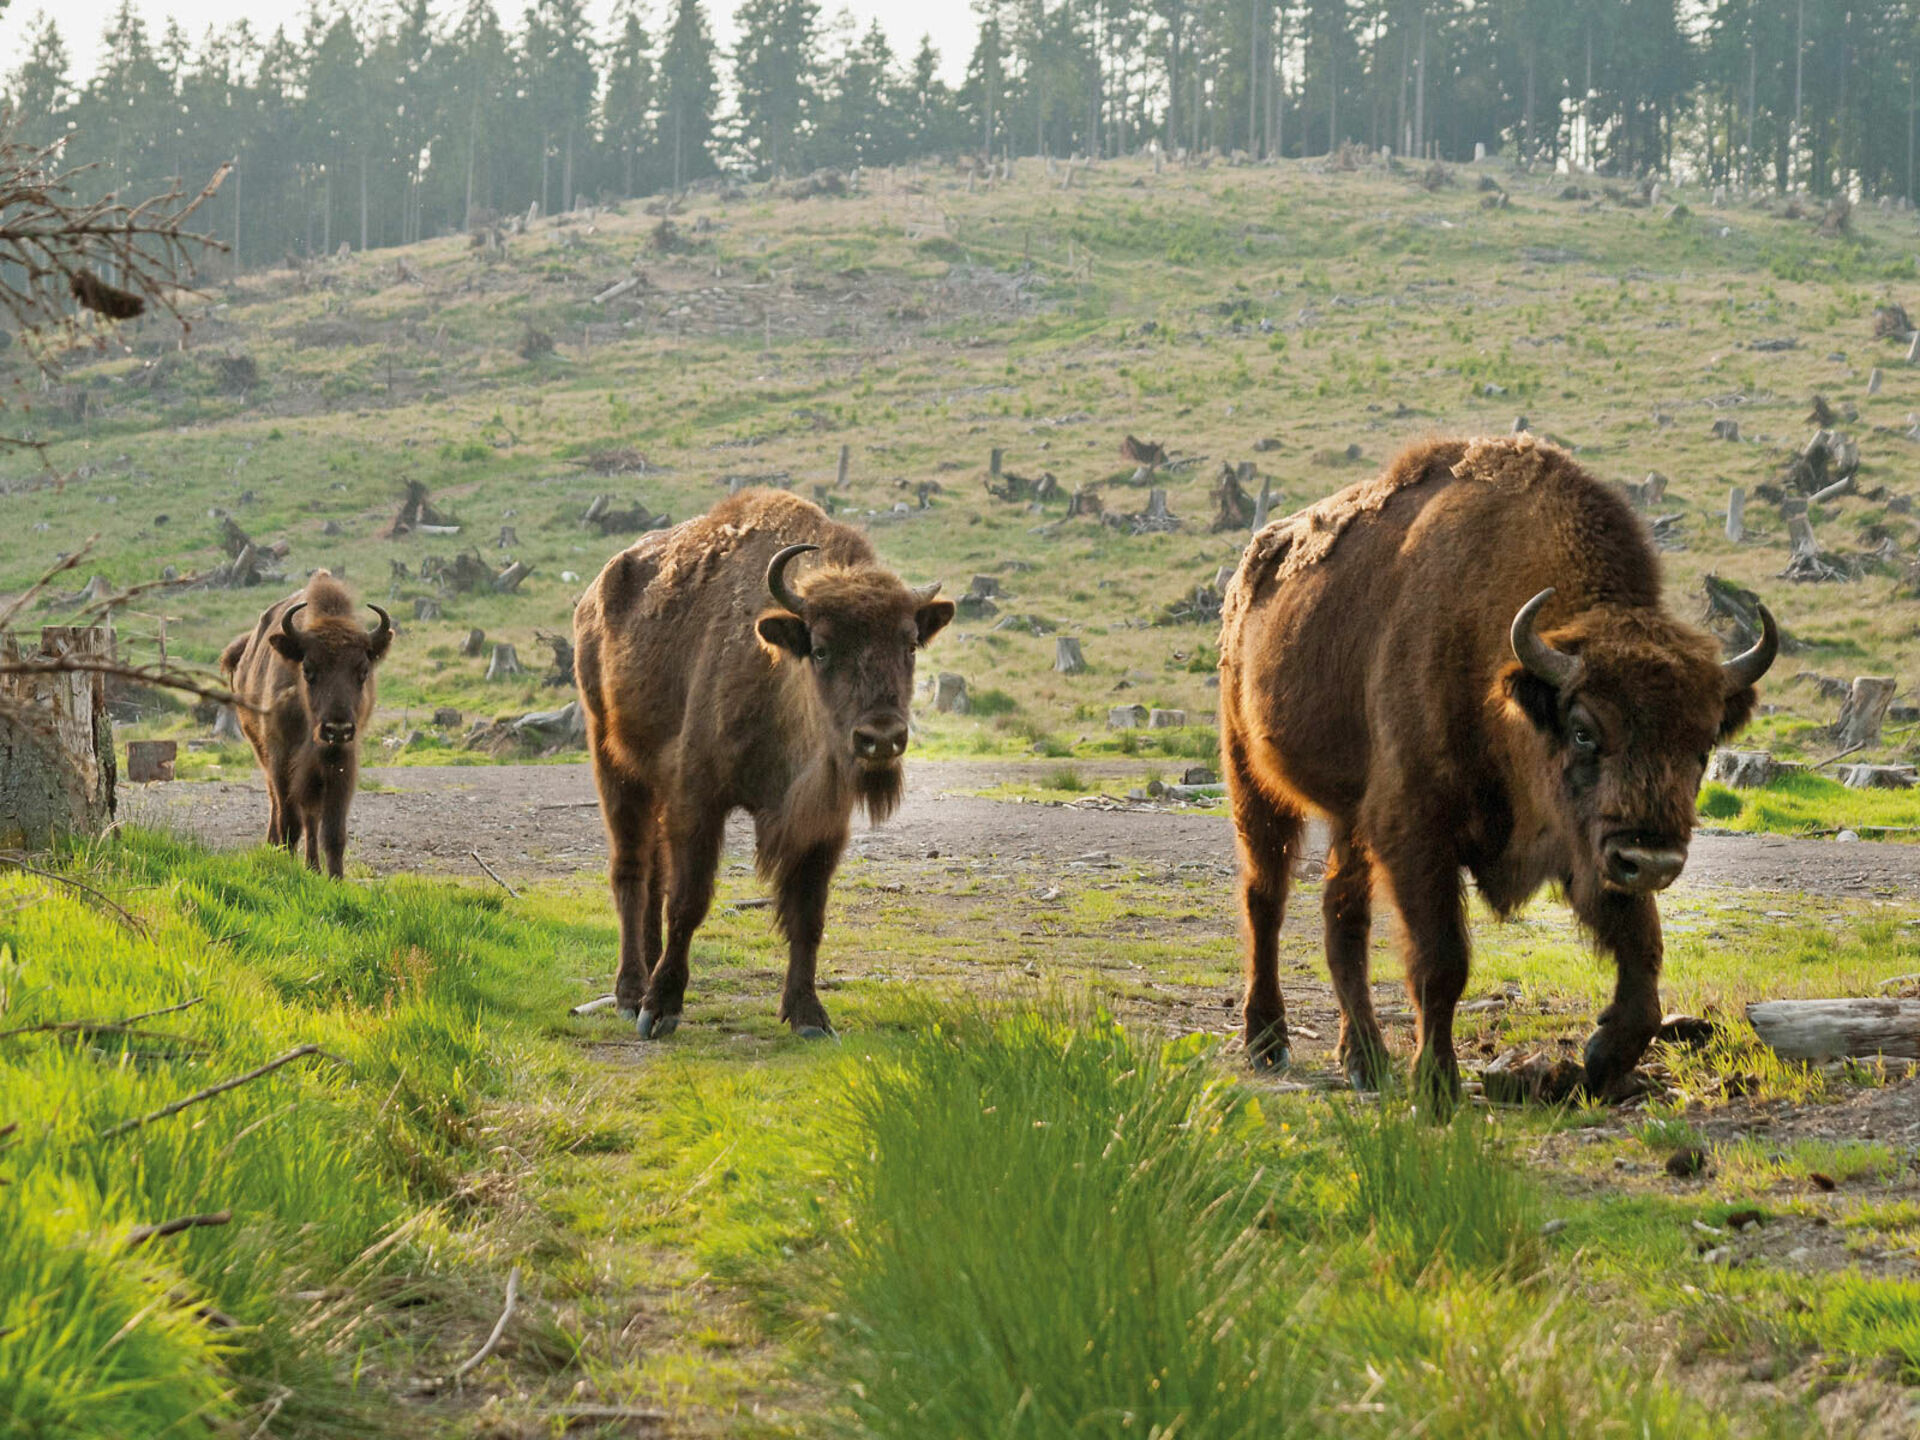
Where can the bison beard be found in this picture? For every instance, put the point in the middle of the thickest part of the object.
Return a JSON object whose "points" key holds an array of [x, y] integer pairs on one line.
{"points": [[702, 699], [1464, 665], [304, 675]]}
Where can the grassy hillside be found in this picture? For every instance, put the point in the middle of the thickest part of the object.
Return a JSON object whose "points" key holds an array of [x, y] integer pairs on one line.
{"points": [[1309, 321]]}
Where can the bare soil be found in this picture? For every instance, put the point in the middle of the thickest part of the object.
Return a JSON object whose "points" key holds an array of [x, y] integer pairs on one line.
{"points": [[541, 821]]}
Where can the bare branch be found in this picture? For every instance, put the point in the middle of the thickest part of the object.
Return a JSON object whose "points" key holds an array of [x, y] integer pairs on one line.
{"points": [[298, 1052], [141, 1234], [20, 862]]}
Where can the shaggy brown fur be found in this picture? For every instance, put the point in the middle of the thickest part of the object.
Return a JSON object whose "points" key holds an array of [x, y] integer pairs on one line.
{"points": [[307, 690], [1367, 675], [702, 698]]}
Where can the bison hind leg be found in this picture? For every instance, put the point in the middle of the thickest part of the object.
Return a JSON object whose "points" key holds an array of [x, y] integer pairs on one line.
{"points": [[1268, 832], [1346, 905]]}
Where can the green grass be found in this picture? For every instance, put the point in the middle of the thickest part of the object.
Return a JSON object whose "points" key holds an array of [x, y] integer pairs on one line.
{"points": [[1803, 803], [342, 1171]]}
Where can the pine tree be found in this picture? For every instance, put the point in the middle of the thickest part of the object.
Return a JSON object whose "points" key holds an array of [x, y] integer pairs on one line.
{"points": [[626, 111], [40, 89], [688, 94], [860, 125], [774, 69]]}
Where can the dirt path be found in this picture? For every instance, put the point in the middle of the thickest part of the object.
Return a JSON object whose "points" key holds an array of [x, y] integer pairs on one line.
{"points": [[541, 821]]}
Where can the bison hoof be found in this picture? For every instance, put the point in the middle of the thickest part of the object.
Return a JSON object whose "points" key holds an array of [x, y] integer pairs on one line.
{"points": [[1368, 1075], [627, 1013], [656, 1027], [1270, 1054], [816, 1032]]}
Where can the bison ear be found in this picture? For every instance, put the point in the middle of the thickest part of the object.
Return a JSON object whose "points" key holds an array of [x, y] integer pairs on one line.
{"points": [[289, 646], [1535, 698], [780, 631], [1740, 707], [931, 618]]}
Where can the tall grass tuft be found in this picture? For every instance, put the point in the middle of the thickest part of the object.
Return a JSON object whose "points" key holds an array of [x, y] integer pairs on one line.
{"points": [[1057, 1230]]}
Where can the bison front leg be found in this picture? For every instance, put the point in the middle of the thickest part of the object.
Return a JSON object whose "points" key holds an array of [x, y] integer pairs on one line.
{"points": [[333, 825], [1427, 892], [1346, 905], [1267, 836], [1628, 926], [803, 917], [693, 855]]}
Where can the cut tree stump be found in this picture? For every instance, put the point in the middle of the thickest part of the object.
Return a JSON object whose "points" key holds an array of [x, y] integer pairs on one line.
{"points": [[1864, 711], [475, 642], [1838, 1029], [1877, 777], [1067, 658], [1737, 514], [226, 724], [425, 607], [504, 663], [1166, 719], [508, 580], [1743, 769], [57, 769], [1126, 717], [151, 760], [950, 695], [1263, 505]]}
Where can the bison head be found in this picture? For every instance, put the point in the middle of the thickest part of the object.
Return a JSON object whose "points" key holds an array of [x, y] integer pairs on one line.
{"points": [[857, 630], [335, 658], [1631, 703]]}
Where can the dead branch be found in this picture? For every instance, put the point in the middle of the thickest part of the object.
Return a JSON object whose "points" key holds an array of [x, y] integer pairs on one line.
{"points": [[164, 676], [499, 1329], [494, 873], [126, 1126], [20, 602], [141, 1234], [19, 861], [94, 1026]]}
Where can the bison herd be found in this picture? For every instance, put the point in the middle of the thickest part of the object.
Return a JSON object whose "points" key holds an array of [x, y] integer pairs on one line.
{"points": [[1462, 665]]}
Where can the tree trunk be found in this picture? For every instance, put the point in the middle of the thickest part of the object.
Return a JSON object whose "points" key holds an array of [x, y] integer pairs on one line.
{"points": [[1067, 658], [1864, 710], [1837, 1029], [56, 743]]}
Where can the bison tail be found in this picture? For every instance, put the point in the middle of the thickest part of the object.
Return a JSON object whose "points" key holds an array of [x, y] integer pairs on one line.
{"points": [[230, 657]]}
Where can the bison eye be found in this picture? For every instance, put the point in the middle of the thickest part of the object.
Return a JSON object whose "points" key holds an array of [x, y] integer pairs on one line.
{"points": [[310, 672], [1584, 740], [819, 654]]}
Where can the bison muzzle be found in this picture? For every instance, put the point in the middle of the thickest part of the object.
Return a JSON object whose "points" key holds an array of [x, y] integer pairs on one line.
{"points": [[1465, 666]]}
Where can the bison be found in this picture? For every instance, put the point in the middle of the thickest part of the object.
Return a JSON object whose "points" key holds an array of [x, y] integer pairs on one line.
{"points": [[304, 679], [1464, 665], [701, 698]]}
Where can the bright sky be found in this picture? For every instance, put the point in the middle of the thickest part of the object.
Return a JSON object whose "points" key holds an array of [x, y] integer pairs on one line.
{"points": [[950, 22]]}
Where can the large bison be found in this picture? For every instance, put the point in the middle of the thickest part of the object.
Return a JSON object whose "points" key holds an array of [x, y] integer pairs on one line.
{"points": [[1464, 665], [717, 675], [304, 677]]}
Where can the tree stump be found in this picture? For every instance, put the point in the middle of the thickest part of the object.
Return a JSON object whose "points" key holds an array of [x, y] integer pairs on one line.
{"points": [[1864, 711], [1067, 658], [151, 760], [1737, 514], [475, 642], [1874, 381], [504, 664], [226, 724], [508, 580], [509, 538], [425, 607], [57, 768], [846, 463], [1126, 717], [1166, 719], [950, 695], [1743, 769], [985, 586], [1263, 505], [1837, 1029], [1728, 429], [1877, 777]]}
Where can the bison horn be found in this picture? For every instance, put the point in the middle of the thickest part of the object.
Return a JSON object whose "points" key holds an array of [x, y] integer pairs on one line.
{"points": [[1747, 667], [286, 621], [923, 593], [1556, 667], [385, 627], [777, 581]]}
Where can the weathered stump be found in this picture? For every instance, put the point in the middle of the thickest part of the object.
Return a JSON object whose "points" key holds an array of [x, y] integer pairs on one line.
{"points": [[1864, 711], [425, 607], [1743, 769], [504, 663], [508, 580], [1166, 719], [226, 724], [950, 695], [1126, 717], [475, 642], [1737, 514], [151, 760], [1067, 658], [1838, 1029], [1877, 777], [57, 768]]}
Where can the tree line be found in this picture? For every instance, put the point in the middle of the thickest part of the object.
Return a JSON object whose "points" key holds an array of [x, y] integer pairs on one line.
{"points": [[381, 131]]}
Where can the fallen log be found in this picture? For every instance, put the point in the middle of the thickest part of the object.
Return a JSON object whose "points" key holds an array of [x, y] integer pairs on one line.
{"points": [[1838, 1029]]}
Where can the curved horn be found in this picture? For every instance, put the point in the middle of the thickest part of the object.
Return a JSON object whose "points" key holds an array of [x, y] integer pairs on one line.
{"points": [[923, 593], [1556, 667], [776, 578], [384, 628], [286, 620], [1747, 667]]}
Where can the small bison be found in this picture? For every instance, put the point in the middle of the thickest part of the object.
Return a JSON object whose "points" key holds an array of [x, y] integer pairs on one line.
{"points": [[701, 699], [1464, 665], [304, 679]]}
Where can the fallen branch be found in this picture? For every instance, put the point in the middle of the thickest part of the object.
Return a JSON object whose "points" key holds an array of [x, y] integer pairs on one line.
{"points": [[1838, 1029], [593, 1007], [1822, 764], [19, 862], [141, 1234], [571, 1415], [126, 1126], [494, 873], [480, 1356], [95, 1025]]}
